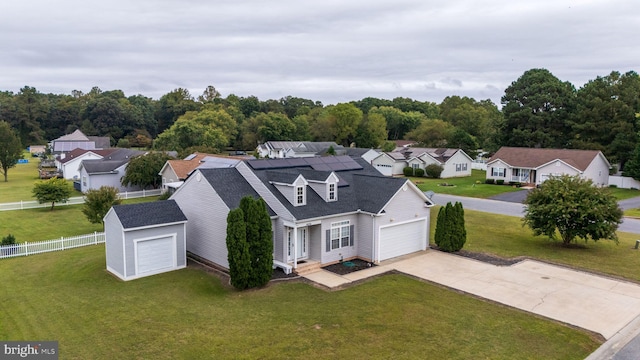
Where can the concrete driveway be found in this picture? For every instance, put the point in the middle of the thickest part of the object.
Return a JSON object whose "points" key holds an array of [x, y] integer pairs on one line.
{"points": [[592, 302]]}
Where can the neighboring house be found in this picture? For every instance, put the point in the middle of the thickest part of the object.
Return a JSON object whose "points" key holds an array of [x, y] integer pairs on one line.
{"points": [[323, 210], [107, 171], [77, 139], [455, 162], [139, 245], [296, 149], [534, 166], [367, 154], [174, 172], [71, 162]]}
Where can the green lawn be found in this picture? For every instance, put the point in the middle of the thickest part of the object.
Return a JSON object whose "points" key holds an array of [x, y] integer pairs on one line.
{"points": [[188, 314], [464, 186], [45, 224], [504, 236], [20, 181], [622, 194]]}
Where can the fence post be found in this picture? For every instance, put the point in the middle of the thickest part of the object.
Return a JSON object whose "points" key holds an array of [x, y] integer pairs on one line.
{"points": [[26, 248], [21, 205], [95, 238], [143, 194], [62, 242]]}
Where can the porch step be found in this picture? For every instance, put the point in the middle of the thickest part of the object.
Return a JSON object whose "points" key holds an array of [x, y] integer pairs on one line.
{"points": [[307, 267]]}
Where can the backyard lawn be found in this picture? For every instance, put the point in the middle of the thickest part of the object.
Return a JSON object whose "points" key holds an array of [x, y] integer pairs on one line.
{"points": [[188, 314], [21, 179], [45, 224]]}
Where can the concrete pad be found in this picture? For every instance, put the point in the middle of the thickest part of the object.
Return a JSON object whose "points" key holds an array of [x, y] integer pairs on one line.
{"points": [[327, 278], [363, 274]]}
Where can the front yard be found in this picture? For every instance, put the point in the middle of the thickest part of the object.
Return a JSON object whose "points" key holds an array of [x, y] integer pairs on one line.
{"points": [[189, 314]]}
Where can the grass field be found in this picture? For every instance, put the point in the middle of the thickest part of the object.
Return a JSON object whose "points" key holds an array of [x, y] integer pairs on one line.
{"points": [[505, 236], [45, 224], [465, 186], [188, 314], [21, 179]]}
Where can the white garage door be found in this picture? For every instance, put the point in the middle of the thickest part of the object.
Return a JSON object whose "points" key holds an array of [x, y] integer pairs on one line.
{"points": [[155, 255], [402, 239]]}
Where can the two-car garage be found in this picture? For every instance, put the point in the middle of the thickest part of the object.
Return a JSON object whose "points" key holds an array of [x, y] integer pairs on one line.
{"points": [[402, 238]]}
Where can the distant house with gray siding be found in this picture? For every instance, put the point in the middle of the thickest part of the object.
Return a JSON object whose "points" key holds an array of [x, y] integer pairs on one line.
{"points": [[107, 171]]}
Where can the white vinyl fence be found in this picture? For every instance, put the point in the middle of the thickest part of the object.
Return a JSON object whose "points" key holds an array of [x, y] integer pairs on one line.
{"points": [[37, 247], [624, 182], [21, 205]]}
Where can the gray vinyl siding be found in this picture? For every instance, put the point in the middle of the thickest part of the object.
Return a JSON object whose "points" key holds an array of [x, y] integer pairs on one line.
{"points": [[279, 244], [113, 243], [207, 214], [316, 242], [95, 181], [161, 231], [344, 252], [264, 193], [287, 191], [321, 189], [364, 229], [404, 206]]}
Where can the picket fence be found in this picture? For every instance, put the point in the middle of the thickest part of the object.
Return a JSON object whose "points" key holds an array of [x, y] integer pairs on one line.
{"points": [[38, 247], [21, 205]]}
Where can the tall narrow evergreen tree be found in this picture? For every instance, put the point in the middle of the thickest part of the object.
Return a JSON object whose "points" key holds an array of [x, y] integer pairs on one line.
{"points": [[460, 236], [263, 255], [440, 234], [238, 250]]}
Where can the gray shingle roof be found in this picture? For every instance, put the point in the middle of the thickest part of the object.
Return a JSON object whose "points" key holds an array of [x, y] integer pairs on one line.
{"points": [[231, 186], [533, 158], [368, 191], [110, 162], [149, 214]]}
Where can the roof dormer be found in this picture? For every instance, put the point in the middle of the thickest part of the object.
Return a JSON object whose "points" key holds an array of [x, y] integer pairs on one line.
{"points": [[292, 186], [324, 183]]}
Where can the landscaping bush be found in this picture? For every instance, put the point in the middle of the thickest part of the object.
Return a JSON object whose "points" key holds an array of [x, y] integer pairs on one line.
{"points": [[500, 182], [8, 240], [490, 181], [419, 172], [613, 186], [433, 171], [407, 171], [515, 183], [451, 233]]}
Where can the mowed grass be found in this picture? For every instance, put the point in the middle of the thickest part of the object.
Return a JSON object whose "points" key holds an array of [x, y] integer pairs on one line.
{"points": [[189, 314], [463, 186], [21, 179], [506, 237], [45, 224], [622, 194]]}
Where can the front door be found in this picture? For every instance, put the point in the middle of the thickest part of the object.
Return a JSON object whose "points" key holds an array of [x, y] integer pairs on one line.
{"points": [[302, 245]]}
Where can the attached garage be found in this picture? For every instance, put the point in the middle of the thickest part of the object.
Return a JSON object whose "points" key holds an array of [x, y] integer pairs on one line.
{"points": [[402, 238], [145, 239]]}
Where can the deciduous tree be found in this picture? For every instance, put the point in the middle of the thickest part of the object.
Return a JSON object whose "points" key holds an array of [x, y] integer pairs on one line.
{"points": [[573, 208], [144, 170], [53, 190], [10, 148], [97, 203]]}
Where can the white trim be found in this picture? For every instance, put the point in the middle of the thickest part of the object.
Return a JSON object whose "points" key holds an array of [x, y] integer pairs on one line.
{"points": [[154, 226]]}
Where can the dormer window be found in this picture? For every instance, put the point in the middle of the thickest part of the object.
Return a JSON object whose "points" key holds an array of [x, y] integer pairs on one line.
{"points": [[331, 196], [300, 198]]}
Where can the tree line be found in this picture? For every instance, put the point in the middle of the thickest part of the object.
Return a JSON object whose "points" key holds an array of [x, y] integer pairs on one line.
{"points": [[538, 110]]}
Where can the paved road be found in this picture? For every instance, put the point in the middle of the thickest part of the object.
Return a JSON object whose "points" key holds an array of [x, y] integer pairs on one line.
{"points": [[514, 209]]}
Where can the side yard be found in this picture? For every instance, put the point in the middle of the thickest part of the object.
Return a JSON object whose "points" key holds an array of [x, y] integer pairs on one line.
{"points": [[191, 314]]}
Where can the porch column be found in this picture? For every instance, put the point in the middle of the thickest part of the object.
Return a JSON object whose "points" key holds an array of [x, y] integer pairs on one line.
{"points": [[295, 247]]}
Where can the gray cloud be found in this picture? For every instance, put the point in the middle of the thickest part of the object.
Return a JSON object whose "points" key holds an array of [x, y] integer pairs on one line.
{"points": [[330, 50]]}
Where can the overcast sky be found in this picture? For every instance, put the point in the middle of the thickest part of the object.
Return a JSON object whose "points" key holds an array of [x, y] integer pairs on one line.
{"points": [[331, 51]]}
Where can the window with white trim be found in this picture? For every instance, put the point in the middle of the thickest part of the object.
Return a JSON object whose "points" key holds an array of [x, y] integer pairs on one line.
{"points": [[300, 200], [331, 196], [415, 166], [340, 234], [498, 172]]}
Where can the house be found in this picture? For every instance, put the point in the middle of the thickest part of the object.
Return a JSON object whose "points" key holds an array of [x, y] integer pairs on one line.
{"points": [[139, 245], [77, 139], [37, 149], [174, 172], [296, 149], [71, 162], [455, 162], [107, 171], [534, 166], [322, 210]]}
